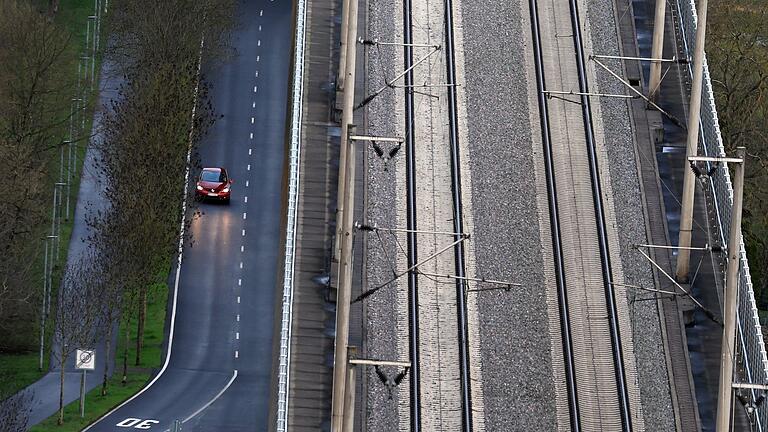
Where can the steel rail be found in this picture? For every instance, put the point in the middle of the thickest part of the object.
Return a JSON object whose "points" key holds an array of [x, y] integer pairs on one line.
{"points": [[554, 217], [458, 222], [410, 174], [586, 110]]}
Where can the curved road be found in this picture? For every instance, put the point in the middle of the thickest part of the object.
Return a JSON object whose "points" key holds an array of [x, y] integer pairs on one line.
{"points": [[225, 312]]}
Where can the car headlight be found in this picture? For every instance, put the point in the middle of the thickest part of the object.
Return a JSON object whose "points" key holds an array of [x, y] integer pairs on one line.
{"points": [[199, 187], [226, 189]]}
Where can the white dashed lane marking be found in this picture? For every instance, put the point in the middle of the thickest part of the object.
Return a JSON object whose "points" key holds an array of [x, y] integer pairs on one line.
{"points": [[246, 183], [238, 299], [249, 151], [251, 135], [242, 248], [258, 42], [246, 199], [253, 120], [249, 167], [239, 282], [255, 88], [258, 58], [241, 265], [237, 335], [238, 318], [237, 354], [254, 105], [244, 215], [243, 233], [261, 12]]}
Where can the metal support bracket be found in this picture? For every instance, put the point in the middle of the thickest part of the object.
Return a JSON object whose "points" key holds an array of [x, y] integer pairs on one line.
{"points": [[376, 41], [571, 92], [376, 138], [674, 59]]}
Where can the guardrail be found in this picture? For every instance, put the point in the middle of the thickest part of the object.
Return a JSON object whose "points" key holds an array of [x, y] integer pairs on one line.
{"points": [[752, 363], [297, 93]]}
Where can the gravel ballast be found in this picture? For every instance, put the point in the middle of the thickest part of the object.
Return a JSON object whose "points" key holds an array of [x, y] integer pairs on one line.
{"points": [[518, 387], [521, 364], [653, 381]]}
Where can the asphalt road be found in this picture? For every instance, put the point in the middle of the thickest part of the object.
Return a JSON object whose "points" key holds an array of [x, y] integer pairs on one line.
{"points": [[219, 373]]}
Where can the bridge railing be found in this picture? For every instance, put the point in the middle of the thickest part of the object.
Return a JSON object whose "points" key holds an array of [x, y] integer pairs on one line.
{"points": [[294, 163], [751, 358]]}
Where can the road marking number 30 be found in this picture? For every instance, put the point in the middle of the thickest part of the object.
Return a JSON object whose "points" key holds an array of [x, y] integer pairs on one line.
{"points": [[137, 423]]}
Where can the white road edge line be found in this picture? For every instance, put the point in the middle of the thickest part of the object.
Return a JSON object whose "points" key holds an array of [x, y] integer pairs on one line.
{"points": [[210, 402], [180, 251]]}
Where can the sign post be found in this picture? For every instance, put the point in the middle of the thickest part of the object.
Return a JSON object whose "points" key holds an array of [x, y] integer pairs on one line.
{"points": [[85, 360]]}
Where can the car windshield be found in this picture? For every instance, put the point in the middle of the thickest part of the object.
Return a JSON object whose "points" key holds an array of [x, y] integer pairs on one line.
{"points": [[211, 176]]}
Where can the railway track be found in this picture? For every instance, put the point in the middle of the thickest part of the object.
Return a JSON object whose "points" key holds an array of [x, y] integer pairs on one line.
{"points": [[594, 366], [410, 173], [454, 384]]}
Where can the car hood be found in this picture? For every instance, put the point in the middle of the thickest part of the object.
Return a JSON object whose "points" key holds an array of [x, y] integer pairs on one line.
{"points": [[217, 186]]}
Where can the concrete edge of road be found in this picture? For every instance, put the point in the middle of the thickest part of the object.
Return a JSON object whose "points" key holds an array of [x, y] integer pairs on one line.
{"points": [[174, 299], [293, 162]]}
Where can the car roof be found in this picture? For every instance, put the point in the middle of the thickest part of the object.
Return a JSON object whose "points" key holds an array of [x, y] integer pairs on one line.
{"points": [[216, 169]]}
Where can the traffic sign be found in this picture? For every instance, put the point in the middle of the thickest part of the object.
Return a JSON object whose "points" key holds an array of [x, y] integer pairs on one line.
{"points": [[85, 359]]}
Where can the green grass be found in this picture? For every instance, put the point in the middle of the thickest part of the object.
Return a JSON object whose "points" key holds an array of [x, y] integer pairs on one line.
{"points": [[97, 405], [18, 371], [152, 352]]}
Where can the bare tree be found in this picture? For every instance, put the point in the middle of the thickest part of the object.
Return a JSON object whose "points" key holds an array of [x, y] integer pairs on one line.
{"points": [[34, 94], [148, 131], [77, 316], [14, 412], [150, 32], [737, 48]]}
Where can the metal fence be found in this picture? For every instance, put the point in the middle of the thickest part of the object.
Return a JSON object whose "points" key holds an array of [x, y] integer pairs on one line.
{"points": [[751, 356], [297, 94]]}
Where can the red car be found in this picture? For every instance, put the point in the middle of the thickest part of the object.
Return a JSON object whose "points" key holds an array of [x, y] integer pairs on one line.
{"points": [[214, 183]]}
